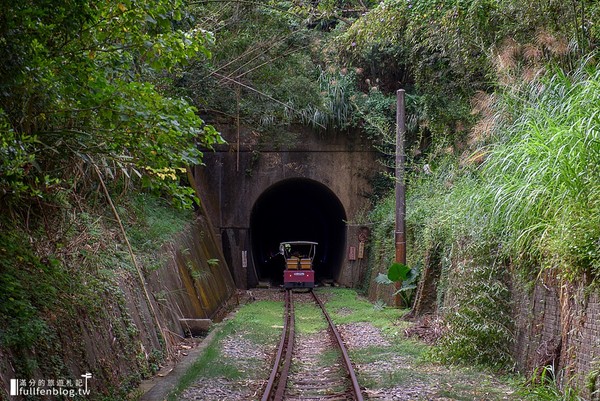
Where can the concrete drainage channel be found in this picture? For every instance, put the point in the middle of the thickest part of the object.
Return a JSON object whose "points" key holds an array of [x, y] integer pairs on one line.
{"points": [[158, 388]]}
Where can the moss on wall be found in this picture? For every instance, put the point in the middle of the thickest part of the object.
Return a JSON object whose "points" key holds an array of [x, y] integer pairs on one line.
{"points": [[72, 302]]}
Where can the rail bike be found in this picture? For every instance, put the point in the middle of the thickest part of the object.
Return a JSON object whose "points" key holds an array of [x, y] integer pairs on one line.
{"points": [[299, 257]]}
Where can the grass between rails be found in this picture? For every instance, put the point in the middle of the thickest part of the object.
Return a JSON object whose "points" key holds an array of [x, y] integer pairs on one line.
{"points": [[309, 319], [396, 365]]}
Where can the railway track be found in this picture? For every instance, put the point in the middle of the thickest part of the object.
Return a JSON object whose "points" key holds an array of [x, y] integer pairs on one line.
{"points": [[297, 376]]}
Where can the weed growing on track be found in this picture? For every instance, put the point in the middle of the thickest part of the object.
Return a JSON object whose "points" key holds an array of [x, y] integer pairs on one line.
{"points": [[309, 319], [258, 320]]}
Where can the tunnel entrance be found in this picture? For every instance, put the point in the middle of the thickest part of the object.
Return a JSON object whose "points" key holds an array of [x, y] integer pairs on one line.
{"points": [[297, 209]]}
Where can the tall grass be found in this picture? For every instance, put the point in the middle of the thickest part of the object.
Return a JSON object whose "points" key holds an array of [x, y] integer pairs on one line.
{"points": [[533, 202], [541, 181]]}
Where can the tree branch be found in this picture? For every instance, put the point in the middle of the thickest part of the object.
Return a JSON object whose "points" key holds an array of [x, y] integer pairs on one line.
{"points": [[135, 263]]}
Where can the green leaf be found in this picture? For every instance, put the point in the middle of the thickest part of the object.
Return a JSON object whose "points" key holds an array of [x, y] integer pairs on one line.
{"points": [[382, 279], [398, 272]]}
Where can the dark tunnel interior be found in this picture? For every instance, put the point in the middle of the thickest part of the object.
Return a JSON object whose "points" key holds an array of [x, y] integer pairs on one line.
{"points": [[297, 210]]}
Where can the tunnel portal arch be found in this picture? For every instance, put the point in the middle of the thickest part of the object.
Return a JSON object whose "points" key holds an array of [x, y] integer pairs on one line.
{"points": [[297, 209]]}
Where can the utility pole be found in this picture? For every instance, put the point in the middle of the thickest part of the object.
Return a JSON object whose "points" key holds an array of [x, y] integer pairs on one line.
{"points": [[400, 232]]}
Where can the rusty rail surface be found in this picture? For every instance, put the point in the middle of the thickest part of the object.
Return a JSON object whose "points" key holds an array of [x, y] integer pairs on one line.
{"points": [[286, 344], [280, 371], [355, 387]]}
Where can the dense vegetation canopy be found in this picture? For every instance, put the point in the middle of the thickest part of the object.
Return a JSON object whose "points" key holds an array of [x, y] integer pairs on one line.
{"points": [[83, 89], [503, 140]]}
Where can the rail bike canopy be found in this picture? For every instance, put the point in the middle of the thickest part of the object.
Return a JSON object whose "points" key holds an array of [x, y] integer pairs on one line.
{"points": [[298, 249]]}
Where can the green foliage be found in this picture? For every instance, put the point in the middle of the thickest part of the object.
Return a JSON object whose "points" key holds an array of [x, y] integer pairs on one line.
{"points": [[398, 272], [78, 95], [544, 386], [16, 157], [527, 192], [541, 180], [377, 112], [438, 221], [592, 379], [405, 276], [153, 223], [441, 50], [381, 247], [418, 47], [272, 66], [432, 214], [338, 90], [61, 279], [479, 320], [261, 71], [21, 297]]}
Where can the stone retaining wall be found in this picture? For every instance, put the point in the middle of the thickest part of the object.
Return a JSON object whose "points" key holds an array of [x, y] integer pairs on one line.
{"points": [[558, 324]]}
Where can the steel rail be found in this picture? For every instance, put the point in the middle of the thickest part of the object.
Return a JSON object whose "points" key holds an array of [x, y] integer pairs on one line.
{"points": [[280, 371], [286, 343], [285, 370], [355, 387]]}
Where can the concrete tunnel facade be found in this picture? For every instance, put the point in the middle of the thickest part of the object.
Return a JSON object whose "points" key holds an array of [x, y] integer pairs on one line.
{"points": [[257, 195]]}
